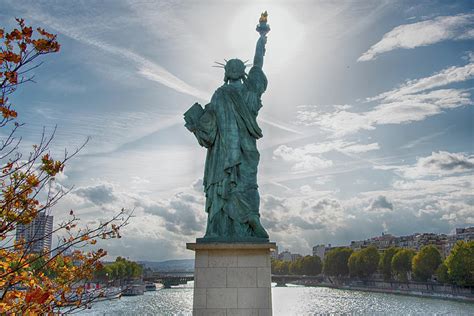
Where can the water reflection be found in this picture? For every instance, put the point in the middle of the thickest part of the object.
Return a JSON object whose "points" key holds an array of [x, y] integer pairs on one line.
{"points": [[293, 300]]}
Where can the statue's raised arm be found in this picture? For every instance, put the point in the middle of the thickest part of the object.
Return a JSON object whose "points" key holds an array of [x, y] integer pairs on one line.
{"points": [[262, 28]]}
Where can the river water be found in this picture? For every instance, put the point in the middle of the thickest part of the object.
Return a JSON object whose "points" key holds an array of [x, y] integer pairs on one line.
{"points": [[292, 300]]}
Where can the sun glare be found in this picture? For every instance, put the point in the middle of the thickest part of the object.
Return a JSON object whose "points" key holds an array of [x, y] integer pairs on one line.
{"points": [[284, 39]]}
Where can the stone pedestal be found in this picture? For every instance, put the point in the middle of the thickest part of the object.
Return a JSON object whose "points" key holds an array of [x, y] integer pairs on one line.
{"points": [[232, 278]]}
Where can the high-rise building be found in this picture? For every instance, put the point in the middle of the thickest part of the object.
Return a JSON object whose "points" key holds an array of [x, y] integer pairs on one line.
{"points": [[37, 234]]}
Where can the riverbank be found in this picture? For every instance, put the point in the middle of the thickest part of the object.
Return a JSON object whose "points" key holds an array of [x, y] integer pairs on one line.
{"points": [[406, 292]]}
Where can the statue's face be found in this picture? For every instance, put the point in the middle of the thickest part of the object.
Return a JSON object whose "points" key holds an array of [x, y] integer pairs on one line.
{"points": [[234, 69]]}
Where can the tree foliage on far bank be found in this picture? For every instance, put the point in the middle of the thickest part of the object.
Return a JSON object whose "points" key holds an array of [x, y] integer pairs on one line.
{"points": [[442, 273], [425, 263], [280, 267], [308, 265], [460, 263], [397, 263], [121, 269], [364, 263], [401, 263], [385, 264], [336, 262]]}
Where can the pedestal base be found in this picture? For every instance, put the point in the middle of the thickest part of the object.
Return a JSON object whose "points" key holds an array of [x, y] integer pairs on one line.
{"points": [[232, 278]]}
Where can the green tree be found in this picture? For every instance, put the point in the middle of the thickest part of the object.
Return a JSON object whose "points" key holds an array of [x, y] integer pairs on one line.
{"points": [[295, 267], [121, 269], [274, 263], [425, 262], [285, 267], [280, 267], [355, 264], [370, 259], [385, 264], [401, 263], [335, 262], [442, 273], [460, 263], [311, 265], [364, 263]]}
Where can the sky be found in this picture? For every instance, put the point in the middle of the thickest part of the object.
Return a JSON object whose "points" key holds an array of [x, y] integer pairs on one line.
{"points": [[367, 120]]}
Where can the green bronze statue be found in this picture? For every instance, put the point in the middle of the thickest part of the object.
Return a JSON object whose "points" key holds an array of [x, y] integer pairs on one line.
{"points": [[228, 128]]}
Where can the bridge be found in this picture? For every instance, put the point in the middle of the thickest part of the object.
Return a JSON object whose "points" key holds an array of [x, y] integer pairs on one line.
{"points": [[169, 279]]}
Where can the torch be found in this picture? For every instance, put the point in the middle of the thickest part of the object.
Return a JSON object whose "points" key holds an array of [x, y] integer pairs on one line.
{"points": [[262, 27]]}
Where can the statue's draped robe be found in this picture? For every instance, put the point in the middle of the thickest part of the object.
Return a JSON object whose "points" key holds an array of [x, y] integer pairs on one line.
{"points": [[228, 128]]}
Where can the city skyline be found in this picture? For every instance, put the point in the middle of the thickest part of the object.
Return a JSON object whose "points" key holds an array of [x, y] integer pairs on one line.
{"points": [[374, 136], [386, 240]]}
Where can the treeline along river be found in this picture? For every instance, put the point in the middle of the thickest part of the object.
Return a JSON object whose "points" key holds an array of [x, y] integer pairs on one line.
{"points": [[291, 300]]}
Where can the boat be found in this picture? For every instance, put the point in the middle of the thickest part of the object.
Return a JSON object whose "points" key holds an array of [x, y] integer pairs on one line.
{"points": [[133, 290], [150, 287]]}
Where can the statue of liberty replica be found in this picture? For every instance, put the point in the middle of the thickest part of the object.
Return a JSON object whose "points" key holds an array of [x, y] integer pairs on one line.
{"points": [[228, 128]]}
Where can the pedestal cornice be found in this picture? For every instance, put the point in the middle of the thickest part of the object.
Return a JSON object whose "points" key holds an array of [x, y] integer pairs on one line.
{"points": [[230, 246]]}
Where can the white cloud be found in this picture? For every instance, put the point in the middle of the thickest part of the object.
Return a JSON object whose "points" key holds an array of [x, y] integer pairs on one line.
{"points": [[306, 158], [380, 204], [417, 107], [439, 164], [99, 194], [458, 27], [359, 148], [441, 201], [415, 100], [444, 77], [299, 221], [179, 218], [322, 180], [306, 189], [303, 159], [425, 139], [339, 122], [145, 67]]}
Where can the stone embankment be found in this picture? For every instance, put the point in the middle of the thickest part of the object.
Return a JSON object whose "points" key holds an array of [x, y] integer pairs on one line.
{"points": [[433, 290]]}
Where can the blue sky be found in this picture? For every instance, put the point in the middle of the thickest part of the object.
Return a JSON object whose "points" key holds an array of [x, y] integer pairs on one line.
{"points": [[367, 120]]}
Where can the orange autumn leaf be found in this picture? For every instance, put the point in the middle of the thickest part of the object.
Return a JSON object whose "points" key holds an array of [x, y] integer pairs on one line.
{"points": [[44, 33], [11, 76], [27, 31], [14, 35], [11, 57]]}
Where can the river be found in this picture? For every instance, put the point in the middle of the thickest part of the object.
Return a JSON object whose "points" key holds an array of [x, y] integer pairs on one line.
{"points": [[292, 300]]}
